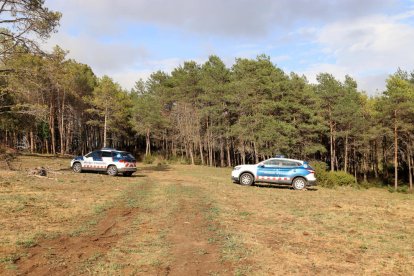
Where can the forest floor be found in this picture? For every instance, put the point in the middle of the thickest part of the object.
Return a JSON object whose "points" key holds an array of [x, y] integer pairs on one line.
{"points": [[192, 220]]}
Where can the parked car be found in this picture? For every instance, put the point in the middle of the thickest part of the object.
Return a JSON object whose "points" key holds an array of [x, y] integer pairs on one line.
{"points": [[299, 174], [107, 160]]}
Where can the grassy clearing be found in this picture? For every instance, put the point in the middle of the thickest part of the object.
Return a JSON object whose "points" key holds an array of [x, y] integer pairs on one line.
{"points": [[324, 231], [244, 230], [34, 208]]}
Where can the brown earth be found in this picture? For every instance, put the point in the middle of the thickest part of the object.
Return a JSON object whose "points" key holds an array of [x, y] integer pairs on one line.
{"points": [[63, 255], [194, 255], [189, 249]]}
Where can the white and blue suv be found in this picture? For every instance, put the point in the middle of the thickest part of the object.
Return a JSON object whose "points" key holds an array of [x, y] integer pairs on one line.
{"points": [[299, 174], [107, 160]]}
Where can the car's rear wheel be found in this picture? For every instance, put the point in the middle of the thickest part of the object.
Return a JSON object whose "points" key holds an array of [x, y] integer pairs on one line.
{"points": [[112, 170], [127, 173], [299, 183], [77, 167], [246, 179]]}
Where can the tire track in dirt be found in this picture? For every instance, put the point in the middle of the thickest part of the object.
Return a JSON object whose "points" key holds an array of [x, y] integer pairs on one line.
{"points": [[193, 247], [66, 254], [193, 253]]}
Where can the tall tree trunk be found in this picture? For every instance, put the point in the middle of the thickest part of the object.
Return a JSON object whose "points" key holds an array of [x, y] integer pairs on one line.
{"points": [[355, 166], [346, 154], [375, 159], [210, 151], [69, 137], [256, 154], [228, 153], [395, 151], [331, 145], [200, 145], [191, 153], [222, 164], [410, 176], [410, 166], [105, 127], [62, 125], [173, 148], [147, 143], [384, 158], [47, 146], [52, 129], [243, 153], [365, 165]]}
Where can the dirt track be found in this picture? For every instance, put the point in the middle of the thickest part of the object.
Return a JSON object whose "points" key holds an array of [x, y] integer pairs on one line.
{"points": [[190, 250]]}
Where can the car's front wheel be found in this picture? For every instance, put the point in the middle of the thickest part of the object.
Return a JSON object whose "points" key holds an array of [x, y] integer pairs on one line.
{"points": [[246, 179], [77, 167], [112, 170], [299, 183]]}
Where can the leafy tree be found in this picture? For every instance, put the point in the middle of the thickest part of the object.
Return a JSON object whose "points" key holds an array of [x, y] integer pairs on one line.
{"points": [[147, 118], [107, 101], [20, 19], [398, 113]]}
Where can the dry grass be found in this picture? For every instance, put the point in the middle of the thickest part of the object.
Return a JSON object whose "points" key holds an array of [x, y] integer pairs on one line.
{"points": [[240, 230], [342, 231], [32, 208]]}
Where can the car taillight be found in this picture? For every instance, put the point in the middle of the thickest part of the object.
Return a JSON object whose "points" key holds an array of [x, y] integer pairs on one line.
{"points": [[311, 171]]}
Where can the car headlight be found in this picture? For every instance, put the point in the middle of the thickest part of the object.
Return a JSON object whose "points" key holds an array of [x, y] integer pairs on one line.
{"points": [[237, 168]]}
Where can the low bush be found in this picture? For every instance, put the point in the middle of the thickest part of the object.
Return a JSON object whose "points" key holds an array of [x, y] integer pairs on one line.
{"points": [[340, 178], [148, 159], [401, 189], [331, 179]]}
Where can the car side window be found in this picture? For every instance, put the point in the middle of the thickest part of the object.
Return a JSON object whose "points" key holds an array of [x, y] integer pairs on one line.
{"points": [[97, 155], [289, 164], [272, 162], [106, 154]]}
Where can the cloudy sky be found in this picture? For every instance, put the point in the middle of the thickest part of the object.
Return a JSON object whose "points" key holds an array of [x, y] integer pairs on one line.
{"points": [[128, 40]]}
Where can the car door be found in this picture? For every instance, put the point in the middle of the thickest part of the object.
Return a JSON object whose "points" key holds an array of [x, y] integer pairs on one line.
{"points": [[107, 159], [287, 171], [88, 162], [267, 171], [98, 163]]}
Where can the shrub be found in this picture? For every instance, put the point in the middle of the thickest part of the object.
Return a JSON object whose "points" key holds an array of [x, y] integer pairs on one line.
{"points": [[331, 179], [400, 189], [320, 170], [148, 159], [340, 178]]}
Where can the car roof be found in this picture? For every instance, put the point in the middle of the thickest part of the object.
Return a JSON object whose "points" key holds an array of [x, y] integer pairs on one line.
{"points": [[286, 159], [109, 150]]}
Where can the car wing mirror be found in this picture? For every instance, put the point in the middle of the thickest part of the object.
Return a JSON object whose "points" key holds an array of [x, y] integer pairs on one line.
{"points": [[261, 165]]}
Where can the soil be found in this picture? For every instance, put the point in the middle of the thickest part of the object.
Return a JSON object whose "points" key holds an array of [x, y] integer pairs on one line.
{"points": [[194, 255], [63, 255], [190, 251]]}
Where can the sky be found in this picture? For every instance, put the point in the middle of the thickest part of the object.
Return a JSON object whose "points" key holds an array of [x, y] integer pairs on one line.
{"points": [[129, 40]]}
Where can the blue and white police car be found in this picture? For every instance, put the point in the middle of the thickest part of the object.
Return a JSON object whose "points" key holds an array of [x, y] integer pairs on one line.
{"points": [[299, 174], [107, 160]]}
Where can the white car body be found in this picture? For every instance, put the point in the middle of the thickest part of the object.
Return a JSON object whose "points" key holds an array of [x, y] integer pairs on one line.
{"points": [[101, 160], [277, 171]]}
